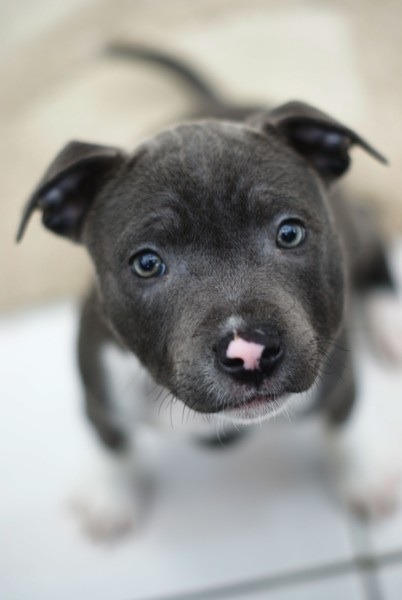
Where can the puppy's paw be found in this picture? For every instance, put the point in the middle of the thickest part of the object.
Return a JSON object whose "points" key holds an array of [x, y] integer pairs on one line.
{"points": [[367, 466], [106, 510], [384, 313], [373, 496]]}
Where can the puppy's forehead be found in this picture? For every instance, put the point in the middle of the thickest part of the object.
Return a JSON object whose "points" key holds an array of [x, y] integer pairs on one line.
{"points": [[219, 159], [205, 174], [208, 148]]}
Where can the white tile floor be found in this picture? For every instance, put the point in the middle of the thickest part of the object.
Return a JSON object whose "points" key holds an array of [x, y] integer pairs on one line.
{"points": [[258, 520]]}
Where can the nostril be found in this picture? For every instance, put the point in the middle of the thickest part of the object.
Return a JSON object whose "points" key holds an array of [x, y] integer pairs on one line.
{"points": [[232, 363], [270, 358], [271, 352]]}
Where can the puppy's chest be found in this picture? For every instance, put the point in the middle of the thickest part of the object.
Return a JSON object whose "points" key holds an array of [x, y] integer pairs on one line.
{"points": [[135, 398]]}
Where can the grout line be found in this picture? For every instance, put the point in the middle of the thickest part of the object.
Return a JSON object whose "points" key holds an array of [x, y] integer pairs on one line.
{"points": [[371, 585], [358, 533], [371, 581], [364, 564], [363, 545]]}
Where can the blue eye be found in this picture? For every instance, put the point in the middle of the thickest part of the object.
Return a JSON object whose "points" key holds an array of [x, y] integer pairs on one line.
{"points": [[290, 234], [147, 264]]}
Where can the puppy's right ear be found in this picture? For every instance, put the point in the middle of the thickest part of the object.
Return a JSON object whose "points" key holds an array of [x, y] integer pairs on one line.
{"points": [[69, 186]]}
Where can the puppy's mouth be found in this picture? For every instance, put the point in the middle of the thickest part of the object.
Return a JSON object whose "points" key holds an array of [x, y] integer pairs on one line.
{"points": [[255, 407], [255, 400], [240, 402]]}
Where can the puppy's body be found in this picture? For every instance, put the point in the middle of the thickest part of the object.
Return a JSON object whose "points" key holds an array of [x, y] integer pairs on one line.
{"points": [[225, 265]]}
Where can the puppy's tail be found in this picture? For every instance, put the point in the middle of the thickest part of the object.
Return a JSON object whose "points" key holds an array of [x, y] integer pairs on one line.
{"points": [[204, 91]]}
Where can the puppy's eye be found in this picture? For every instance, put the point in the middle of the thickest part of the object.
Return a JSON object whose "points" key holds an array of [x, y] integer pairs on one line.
{"points": [[290, 234], [147, 264]]}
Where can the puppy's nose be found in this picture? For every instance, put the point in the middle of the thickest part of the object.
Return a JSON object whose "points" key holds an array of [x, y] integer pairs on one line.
{"points": [[250, 355], [248, 352]]}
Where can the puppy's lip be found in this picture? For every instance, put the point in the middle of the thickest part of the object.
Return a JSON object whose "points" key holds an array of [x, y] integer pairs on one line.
{"points": [[254, 401], [250, 402], [256, 408]]}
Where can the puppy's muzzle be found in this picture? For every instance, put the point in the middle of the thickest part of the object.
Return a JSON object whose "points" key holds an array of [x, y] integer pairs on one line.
{"points": [[250, 355]]}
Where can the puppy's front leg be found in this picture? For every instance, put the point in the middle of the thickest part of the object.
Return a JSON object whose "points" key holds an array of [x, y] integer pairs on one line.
{"points": [[363, 451], [367, 463], [106, 501], [366, 447]]}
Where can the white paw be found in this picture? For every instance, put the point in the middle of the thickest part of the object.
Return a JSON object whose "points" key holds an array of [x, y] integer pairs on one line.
{"points": [[373, 496], [384, 312], [106, 499], [367, 463], [105, 509]]}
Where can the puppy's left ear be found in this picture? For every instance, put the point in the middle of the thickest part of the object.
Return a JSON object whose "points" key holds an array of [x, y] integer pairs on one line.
{"points": [[69, 187], [322, 140]]}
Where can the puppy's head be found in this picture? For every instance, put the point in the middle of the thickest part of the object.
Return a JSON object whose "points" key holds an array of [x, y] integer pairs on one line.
{"points": [[218, 259]]}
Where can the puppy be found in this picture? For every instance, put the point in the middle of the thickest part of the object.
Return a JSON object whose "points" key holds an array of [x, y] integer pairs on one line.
{"points": [[225, 261]]}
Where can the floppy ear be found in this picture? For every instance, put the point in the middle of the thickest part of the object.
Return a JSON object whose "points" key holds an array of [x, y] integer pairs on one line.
{"points": [[323, 141], [69, 186]]}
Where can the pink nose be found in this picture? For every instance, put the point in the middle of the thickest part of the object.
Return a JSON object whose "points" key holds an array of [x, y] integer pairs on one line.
{"points": [[249, 352]]}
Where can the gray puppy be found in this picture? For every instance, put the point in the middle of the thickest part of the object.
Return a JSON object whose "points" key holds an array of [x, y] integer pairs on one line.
{"points": [[224, 266]]}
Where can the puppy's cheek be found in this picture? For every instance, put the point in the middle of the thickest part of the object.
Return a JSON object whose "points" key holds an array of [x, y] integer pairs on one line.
{"points": [[199, 387], [304, 358], [139, 324]]}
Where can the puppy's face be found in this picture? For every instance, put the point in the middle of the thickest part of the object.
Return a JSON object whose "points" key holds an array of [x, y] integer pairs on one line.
{"points": [[218, 260], [214, 233]]}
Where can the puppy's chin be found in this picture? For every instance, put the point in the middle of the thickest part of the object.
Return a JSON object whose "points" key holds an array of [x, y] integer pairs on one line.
{"points": [[255, 410], [262, 408]]}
